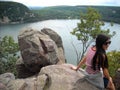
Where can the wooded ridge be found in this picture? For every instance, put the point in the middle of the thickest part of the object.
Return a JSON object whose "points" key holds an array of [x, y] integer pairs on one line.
{"points": [[16, 12], [108, 13]]}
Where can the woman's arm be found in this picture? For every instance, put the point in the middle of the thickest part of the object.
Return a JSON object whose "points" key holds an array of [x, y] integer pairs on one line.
{"points": [[106, 73], [81, 63], [110, 84]]}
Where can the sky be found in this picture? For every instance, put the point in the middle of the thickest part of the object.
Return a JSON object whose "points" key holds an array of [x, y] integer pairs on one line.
{"points": [[44, 3]]}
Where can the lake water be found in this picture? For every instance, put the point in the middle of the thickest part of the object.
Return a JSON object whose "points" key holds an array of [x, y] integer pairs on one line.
{"points": [[63, 28]]}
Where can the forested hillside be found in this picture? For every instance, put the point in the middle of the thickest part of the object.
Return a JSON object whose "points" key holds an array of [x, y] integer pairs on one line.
{"points": [[108, 13], [13, 12]]}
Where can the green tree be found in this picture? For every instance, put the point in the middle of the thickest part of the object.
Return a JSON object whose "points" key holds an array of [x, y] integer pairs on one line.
{"points": [[89, 27], [8, 54], [114, 62]]}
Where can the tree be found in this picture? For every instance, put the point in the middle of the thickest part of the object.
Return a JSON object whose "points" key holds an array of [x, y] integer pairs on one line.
{"points": [[89, 27], [8, 54]]}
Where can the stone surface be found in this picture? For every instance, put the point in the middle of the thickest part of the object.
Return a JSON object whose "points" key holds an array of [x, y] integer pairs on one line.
{"points": [[3, 87], [53, 77], [54, 36], [62, 77], [117, 79], [22, 70], [5, 79], [39, 50]]}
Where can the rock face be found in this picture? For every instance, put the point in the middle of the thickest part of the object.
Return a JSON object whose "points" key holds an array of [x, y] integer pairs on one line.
{"points": [[62, 77], [117, 79], [5, 79], [53, 77], [57, 39], [54, 36], [39, 50]]}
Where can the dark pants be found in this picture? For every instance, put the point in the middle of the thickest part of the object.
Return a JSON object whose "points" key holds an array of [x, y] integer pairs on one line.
{"points": [[105, 82]]}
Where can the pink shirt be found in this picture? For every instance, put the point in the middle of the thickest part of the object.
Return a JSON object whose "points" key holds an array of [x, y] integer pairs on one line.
{"points": [[89, 56]]}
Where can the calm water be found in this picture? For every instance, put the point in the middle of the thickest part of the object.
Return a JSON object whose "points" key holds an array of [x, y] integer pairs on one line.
{"points": [[63, 28]]}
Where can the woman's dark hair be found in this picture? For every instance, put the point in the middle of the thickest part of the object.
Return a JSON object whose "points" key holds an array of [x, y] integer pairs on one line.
{"points": [[100, 57]]}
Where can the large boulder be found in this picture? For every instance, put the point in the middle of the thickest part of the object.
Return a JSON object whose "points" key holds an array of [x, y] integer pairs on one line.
{"points": [[62, 77], [39, 50], [53, 77], [117, 79]]}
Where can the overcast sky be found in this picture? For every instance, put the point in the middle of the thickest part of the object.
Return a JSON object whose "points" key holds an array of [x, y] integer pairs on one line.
{"points": [[67, 2]]}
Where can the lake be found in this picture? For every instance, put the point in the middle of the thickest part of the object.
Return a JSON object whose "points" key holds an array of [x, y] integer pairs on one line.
{"points": [[63, 28]]}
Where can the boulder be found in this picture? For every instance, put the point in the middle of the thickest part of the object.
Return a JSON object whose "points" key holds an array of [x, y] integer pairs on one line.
{"points": [[3, 87], [62, 77], [5, 79], [39, 50], [53, 77], [117, 79]]}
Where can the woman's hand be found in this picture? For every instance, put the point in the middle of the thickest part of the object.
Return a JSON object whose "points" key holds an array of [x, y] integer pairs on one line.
{"points": [[110, 81], [79, 65], [111, 84], [74, 68]]}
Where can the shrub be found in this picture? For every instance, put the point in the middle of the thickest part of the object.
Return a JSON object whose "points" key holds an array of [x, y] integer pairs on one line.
{"points": [[114, 62], [8, 55]]}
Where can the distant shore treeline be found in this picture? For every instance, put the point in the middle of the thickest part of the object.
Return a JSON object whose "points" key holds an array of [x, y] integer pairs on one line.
{"points": [[13, 12], [108, 13]]}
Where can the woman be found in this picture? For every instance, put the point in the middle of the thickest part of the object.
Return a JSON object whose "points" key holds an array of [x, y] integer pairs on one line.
{"points": [[96, 60]]}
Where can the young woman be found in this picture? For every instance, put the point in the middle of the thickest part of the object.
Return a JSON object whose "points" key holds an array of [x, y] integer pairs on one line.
{"points": [[96, 60]]}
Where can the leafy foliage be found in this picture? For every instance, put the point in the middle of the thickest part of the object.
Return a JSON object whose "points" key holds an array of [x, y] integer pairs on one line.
{"points": [[114, 62], [8, 54], [88, 28]]}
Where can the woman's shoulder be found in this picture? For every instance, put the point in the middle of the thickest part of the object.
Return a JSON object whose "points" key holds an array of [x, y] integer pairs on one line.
{"points": [[92, 48]]}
